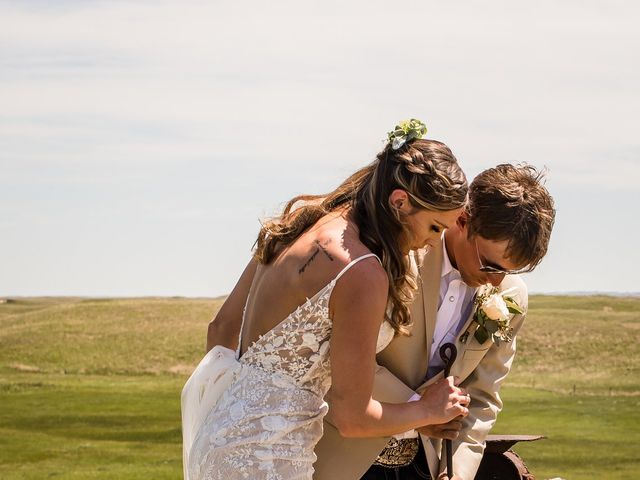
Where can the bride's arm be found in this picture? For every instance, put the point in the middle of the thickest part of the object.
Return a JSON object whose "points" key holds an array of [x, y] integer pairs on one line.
{"points": [[358, 305], [225, 327]]}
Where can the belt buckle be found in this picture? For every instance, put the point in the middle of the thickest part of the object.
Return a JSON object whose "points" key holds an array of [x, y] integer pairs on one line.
{"points": [[398, 453]]}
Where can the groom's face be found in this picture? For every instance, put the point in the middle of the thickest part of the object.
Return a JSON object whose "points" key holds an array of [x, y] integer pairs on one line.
{"points": [[476, 252]]}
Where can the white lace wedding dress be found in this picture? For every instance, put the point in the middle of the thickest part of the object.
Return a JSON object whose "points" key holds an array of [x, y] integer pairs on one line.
{"points": [[267, 417]]}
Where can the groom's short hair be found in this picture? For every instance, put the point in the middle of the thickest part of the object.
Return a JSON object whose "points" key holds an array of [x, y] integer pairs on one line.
{"points": [[510, 202]]}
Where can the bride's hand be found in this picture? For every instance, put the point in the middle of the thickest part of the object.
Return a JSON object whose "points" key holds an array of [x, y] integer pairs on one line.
{"points": [[445, 401]]}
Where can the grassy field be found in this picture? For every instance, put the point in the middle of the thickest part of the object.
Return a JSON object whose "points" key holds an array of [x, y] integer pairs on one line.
{"points": [[90, 388]]}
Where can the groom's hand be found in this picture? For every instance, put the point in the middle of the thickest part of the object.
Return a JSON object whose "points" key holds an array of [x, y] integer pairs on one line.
{"points": [[446, 431]]}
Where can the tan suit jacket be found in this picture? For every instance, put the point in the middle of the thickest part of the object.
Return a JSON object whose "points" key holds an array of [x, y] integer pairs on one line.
{"points": [[401, 371]]}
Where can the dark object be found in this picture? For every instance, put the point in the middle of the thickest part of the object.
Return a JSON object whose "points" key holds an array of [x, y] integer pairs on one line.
{"points": [[398, 453], [448, 354], [416, 470], [501, 463]]}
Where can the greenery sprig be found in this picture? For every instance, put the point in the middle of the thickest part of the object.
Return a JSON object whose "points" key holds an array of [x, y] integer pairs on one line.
{"points": [[405, 131]]}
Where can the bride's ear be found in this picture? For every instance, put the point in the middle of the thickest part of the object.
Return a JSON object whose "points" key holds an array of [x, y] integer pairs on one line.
{"points": [[399, 200], [462, 220]]}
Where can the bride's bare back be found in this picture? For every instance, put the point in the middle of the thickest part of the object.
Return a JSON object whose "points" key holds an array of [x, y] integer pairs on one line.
{"points": [[298, 273]]}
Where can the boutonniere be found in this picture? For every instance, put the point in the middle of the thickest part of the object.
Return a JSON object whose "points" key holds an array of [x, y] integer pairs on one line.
{"points": [[492, 315]]}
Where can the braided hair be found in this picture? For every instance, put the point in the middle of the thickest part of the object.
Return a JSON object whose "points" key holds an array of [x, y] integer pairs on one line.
{"points": [[426, 169]]}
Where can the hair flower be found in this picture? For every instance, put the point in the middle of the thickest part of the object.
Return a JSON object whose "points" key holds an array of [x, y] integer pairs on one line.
{"points": [[406, 130]]}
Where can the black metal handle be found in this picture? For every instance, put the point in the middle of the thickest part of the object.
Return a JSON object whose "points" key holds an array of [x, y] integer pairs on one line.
{"points": [[448, 353]]}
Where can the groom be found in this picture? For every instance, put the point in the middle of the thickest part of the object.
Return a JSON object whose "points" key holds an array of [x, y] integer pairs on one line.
{"points": [[504, 231]]}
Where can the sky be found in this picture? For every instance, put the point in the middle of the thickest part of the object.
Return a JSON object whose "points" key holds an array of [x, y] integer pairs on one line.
{"points": [[141, 142]]}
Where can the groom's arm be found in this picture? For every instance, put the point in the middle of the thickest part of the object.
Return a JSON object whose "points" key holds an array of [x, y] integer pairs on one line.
{"points": [[389, 388], [224, 329], [340, 458], [483, 385]]}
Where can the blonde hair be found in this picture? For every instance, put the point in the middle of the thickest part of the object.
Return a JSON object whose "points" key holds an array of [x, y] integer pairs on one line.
{"points": [[426, 169]]}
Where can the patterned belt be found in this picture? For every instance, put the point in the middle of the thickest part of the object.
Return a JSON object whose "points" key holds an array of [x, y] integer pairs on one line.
{"points": [[398, 453]]}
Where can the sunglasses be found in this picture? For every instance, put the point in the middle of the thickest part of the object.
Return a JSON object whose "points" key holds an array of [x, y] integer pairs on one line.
{"points": [[496, 271]]}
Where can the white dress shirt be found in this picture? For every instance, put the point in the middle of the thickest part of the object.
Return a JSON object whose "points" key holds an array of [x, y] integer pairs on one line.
{"points": [[456, 299]]}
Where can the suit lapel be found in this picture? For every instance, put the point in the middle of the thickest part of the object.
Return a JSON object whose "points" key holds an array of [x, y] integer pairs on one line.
{"points": [[430, 273], [459, 366], [406, 357], [456, 368], [467, 323]]}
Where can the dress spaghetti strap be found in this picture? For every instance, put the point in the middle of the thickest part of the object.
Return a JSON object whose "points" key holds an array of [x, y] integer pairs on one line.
{"points": [[329, 285], [353, 262]]}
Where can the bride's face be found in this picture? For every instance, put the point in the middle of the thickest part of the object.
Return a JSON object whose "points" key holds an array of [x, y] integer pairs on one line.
{"points": [[425, 227]]}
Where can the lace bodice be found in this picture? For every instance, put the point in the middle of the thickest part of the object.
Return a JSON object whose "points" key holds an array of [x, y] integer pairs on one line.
{"points": [[269, 419], [298, 347]]}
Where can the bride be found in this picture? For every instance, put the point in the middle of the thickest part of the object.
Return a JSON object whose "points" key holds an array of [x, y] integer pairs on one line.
{"points": [[308, 314]]}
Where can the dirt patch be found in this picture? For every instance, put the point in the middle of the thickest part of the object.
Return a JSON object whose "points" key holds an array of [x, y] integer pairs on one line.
{"points": [[21, 367], [633, 326], [181, 369]]}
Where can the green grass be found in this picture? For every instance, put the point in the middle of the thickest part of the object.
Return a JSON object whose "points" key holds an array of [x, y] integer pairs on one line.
{"points": [[587, 342], [587, 436], [66, 426], [89, 388], [120, 336]]}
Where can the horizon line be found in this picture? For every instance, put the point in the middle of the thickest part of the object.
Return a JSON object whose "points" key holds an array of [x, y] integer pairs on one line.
{"points": [[567, 293]]}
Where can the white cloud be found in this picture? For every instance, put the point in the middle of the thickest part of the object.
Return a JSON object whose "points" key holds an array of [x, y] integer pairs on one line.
{"points": [[268, 100]]}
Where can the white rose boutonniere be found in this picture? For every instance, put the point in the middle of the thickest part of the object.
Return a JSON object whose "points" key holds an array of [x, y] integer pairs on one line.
{"points": [[492, 315], [495, 307]]}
